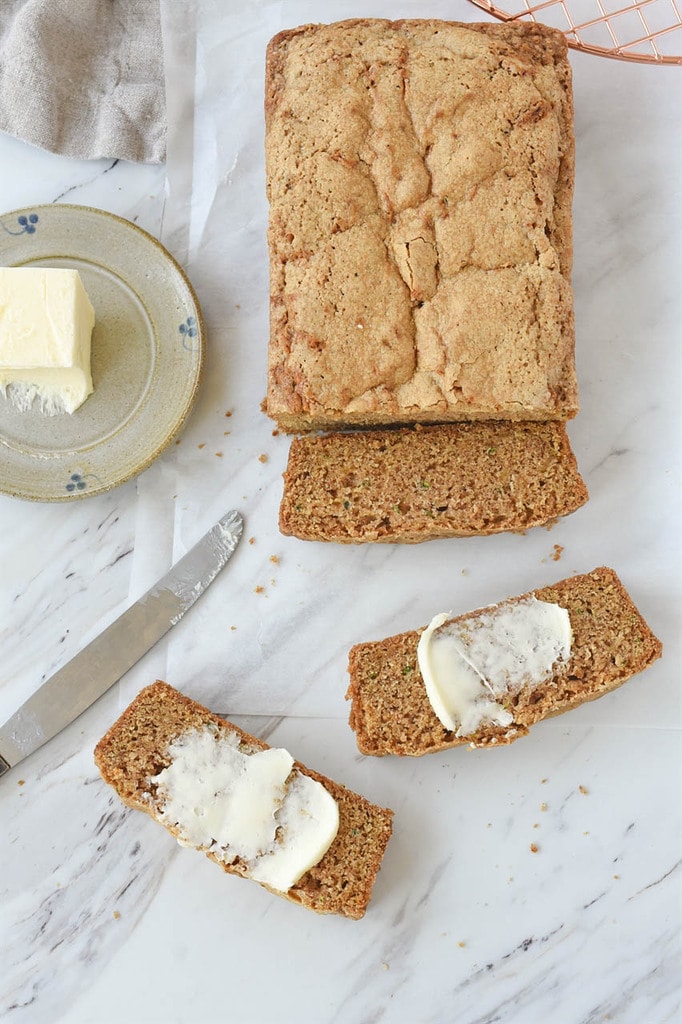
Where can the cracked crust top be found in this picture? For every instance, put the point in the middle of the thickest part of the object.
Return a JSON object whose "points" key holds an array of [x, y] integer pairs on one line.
{"points": [[420, 178]]}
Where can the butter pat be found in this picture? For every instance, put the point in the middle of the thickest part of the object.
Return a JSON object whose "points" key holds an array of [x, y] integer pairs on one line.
{"points": [[46, 321], [471, 665], [308, 821], [254, 807]]}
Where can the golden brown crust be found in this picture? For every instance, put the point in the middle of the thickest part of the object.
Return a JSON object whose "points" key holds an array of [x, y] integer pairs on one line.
{"points": [[420, 178], [136, 748], [391, 713], [411, 485]]}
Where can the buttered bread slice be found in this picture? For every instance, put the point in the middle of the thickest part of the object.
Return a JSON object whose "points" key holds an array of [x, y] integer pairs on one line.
{"points": [[249, 807], [485, 678]]}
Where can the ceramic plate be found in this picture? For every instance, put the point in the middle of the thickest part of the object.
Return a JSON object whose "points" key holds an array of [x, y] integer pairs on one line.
{"points": [[147, 355]]}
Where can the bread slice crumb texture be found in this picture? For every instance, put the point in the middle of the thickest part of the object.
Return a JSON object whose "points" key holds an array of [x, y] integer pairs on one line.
{"points": [[415, 484]]}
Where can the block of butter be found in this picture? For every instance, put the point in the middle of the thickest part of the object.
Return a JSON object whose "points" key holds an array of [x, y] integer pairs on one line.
{"points": [[46, 321]]}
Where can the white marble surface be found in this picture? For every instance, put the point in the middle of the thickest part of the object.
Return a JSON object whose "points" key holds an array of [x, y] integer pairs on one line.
{"points": [[103, 918]]}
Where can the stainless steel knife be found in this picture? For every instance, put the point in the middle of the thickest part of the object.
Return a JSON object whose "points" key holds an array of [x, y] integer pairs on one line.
{"points": [[73, 688]]}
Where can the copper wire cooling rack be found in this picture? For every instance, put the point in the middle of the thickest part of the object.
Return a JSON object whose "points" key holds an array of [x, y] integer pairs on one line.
{"points": [[648, 31]]}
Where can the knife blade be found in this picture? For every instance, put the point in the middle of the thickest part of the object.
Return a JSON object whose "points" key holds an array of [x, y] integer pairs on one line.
{"points": [[84, 679]]}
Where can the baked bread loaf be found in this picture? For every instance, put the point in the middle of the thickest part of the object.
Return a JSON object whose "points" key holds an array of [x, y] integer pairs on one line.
{"points": [[390, 710], [135, 751], [420, 180], [410, 485]]}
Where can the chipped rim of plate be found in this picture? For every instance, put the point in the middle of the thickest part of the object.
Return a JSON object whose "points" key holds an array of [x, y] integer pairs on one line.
{"points": [[147, 386]]}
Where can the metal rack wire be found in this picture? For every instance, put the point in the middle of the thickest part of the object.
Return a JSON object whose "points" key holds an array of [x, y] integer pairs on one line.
{"points": [[648, 31]]}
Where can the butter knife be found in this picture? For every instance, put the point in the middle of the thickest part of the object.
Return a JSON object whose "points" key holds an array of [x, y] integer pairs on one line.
{"points": [[79, 683]]}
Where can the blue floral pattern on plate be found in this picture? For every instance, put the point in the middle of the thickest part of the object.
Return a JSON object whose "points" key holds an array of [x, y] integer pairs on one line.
{"points": [[188, 330], [79, 482], [76, 483], [27, 225]]}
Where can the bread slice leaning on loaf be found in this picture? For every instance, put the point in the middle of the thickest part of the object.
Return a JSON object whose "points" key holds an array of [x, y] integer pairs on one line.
{"points": [[135, 750], [390, 709], [410, 485]]}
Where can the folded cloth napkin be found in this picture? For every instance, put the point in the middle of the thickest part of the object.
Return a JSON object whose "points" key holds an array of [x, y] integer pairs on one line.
{"points": [[84, 78]]}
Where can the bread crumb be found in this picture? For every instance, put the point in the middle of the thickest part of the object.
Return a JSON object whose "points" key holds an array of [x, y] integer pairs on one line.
{"points": [[461, 945], [202, 445], [616, 877], [219, 455], [543, 781], [233, 628], [534, 847], [229, 412], [558, 550], [385, 966], [262, 457], [177, 440], [259, 589], [536, 825], [274, 559], [275, 433], [465, 572], [252, 540], [543, 806], [583, 790], [117, 915], [21, 782], [226, 433]]}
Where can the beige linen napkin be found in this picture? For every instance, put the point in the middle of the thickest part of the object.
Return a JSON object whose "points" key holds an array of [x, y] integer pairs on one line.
{"points": [[84, 78]]}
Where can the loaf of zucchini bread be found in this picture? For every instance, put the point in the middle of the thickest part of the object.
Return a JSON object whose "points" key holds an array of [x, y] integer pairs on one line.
{"points": [[420, 181]]}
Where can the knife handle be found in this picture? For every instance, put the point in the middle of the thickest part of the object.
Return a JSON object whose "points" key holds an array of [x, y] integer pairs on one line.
{"points": [[4, 766]]}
